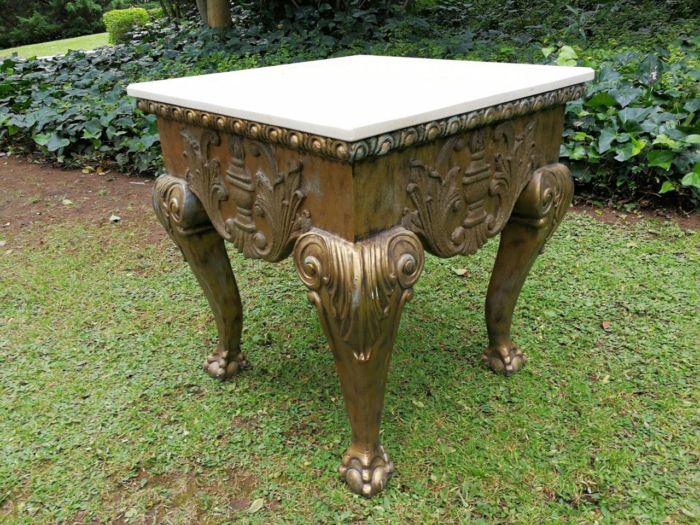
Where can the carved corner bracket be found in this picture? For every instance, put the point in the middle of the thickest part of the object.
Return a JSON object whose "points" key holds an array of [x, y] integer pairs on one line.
{"points": [[177, 208], [546, 199], [467, 196], [359, 289]]}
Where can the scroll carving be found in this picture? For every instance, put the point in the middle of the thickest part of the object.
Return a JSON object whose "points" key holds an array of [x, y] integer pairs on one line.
{"points": [[203, 172], [545, 201], [186, 221], [458, 204], [275, 200], [537, 213], [178, 209], [359, 289]]}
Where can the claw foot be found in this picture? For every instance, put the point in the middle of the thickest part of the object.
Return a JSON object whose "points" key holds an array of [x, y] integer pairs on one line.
{"points": [[222, 367], [504, 359], [366, 474]]}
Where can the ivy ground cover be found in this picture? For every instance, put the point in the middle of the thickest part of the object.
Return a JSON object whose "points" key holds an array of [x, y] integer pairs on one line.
{"points": [[106, 415], [635, 134]]}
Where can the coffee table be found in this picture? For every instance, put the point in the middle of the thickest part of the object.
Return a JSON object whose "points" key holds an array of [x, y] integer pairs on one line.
{"points": [[355, 166]]}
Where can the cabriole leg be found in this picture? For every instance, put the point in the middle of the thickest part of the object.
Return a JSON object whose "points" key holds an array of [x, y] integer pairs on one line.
{"points": [[359, 291], [537, 213], [185, 220]]}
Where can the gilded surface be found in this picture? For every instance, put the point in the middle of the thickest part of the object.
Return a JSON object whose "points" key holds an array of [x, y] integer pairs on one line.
{"points": [[359, 290], [545, 201], [182, 215], [178, 209], [537, 213], [467, 195], [373, 146], [203, 171], [265, 194], [275, 198]]}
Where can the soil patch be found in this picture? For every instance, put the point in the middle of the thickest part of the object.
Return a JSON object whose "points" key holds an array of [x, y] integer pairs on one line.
{"points": [[35, 194], [690, 221]]}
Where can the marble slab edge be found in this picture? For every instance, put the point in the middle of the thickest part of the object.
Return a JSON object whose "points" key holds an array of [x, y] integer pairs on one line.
{"points": [[354, 151]]}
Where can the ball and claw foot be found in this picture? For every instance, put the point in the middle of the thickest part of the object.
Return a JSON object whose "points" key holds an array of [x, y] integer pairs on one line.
{"points": [[366, 476], [222, 367], [505, 359]]}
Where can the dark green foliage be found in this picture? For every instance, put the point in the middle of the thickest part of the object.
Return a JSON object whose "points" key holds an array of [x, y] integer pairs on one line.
{"points": [[597, 22], [72, 109], [642, 108], [273, 11], [638, 128], [119, 22], [177, 8]]}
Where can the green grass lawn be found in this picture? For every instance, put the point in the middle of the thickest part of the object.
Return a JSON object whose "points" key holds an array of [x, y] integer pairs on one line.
{"points": [[58, 47], [105, 413]]}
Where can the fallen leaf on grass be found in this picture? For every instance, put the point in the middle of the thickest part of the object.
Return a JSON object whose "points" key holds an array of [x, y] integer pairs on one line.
{"points": [[462, 272], [605, 325], [256, 506]]}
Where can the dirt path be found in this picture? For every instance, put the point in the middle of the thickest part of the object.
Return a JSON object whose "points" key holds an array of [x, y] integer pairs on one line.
{"points": [[34, 194]]}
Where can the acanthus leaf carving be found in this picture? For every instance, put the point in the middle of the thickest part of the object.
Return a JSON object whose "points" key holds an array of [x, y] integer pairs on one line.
{"points": [[274, 198], [458, 205], [203, 172]]}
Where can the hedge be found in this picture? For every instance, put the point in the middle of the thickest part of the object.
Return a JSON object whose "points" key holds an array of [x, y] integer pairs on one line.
{"points": [[120, 22]]}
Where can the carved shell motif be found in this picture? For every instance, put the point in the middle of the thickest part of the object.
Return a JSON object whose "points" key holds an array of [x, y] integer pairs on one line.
{"points": [[274, 198], [359, 289], [458, 206]]}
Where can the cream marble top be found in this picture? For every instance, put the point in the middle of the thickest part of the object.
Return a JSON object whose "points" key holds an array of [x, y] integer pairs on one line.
{"points": [[356, 97]]}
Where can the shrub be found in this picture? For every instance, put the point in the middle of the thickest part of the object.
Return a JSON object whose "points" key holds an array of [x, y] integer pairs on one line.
{"points": [[155, 13], [119, 22]]}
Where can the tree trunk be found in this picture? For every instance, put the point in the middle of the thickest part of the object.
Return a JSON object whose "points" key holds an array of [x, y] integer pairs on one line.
{"points": [[219, 13], [202, 8]]}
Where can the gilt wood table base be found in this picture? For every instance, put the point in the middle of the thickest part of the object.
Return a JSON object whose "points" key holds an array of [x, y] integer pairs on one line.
{"points": [[357, 216]]}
